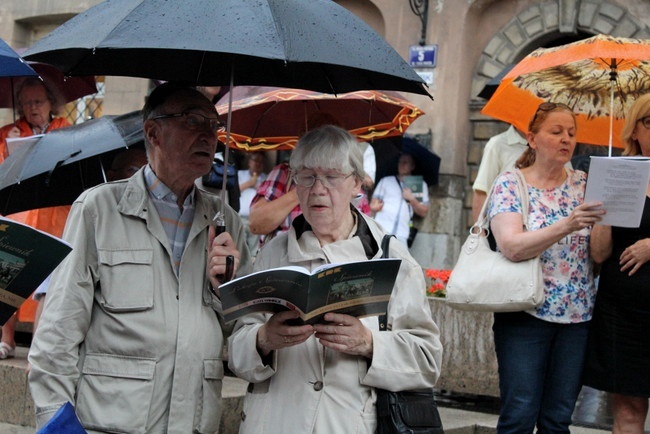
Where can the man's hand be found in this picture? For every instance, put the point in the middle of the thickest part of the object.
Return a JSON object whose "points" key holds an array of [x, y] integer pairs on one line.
{"points": [[219, 248]]}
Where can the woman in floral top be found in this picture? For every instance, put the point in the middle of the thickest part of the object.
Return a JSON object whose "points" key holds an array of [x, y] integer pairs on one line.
{"points": [[541, 352]]}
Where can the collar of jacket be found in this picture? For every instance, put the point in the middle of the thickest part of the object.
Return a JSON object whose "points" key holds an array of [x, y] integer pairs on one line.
{"points": [[370, 246], [135, 201]]}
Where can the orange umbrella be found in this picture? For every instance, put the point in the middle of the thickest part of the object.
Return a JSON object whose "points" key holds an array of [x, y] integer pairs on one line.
{"points": [[269, 118], [598, 77]]}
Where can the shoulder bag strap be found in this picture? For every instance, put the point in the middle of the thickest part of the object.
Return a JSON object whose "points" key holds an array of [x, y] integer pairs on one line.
{"points": [[523, 196], [385, 245]]}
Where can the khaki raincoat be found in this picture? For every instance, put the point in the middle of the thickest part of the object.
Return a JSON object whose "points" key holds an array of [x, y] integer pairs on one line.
{"points": [[135, 347], [309, 389]]}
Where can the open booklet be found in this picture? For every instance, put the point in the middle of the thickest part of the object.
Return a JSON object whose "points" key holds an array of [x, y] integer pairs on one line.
{"points": [[354, 288], [27, 257], [621, 183]]}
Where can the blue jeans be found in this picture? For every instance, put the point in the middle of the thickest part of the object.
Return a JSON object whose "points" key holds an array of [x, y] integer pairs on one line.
{"points": [[540, 369]]}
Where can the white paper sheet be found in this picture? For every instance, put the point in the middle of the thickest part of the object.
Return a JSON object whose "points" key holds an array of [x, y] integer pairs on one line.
{"points": [[621, 183]]}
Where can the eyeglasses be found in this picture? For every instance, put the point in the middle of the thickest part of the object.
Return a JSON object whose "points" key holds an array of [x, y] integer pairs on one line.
{"points": [[645, 121], [34, 102], [548, 106], [328, 181], [195, 121]]}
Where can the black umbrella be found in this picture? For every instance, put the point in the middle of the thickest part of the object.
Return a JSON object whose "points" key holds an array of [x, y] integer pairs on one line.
{"points": [[53, 169], [494, 82], [307, 44], [427, 164]]}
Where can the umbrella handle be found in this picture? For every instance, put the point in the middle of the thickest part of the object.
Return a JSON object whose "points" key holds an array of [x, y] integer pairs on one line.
{"points": [[219, 228]]}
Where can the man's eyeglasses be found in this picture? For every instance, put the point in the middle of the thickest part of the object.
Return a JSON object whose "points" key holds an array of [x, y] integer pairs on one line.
{"points": [[645, 121], [195, 121], [328, 181]]}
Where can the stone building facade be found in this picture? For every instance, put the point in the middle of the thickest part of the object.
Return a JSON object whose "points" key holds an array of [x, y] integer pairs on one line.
{"points": [[475, 40]]}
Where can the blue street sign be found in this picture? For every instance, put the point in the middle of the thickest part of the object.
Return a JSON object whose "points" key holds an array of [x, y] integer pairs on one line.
{"points": [[423, 55]]}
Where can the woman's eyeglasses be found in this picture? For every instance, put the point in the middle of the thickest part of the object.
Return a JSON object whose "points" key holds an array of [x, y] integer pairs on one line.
{"points": [[328, 181], [195, 121], [645, 121], [548, 106]]}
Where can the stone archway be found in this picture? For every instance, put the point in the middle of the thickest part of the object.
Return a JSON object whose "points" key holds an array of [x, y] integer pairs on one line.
{"points": [[545, 21]]}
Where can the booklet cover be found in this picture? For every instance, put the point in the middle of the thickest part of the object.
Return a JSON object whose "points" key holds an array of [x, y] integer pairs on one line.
{"points": [[27, 257], [414, 183], [354, 288], [621, 183]]}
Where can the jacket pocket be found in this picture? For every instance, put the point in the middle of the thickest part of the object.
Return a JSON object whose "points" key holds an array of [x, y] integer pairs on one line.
{"points": [[208, 411], [114, 393], [127, 279]]}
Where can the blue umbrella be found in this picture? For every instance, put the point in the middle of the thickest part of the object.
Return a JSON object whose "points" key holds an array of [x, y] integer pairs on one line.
{"points": [[11, 64]]}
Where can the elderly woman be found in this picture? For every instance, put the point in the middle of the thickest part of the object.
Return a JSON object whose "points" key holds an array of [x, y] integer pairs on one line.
{"points": [[541, 352], [36, 108], [322, 378], [619, 345]]}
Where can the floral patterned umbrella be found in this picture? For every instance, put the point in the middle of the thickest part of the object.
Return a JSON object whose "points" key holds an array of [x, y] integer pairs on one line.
{"points": [[598, 77]]}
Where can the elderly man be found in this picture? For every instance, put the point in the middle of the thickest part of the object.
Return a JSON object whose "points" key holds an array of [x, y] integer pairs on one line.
{"points": [[131, 332]]}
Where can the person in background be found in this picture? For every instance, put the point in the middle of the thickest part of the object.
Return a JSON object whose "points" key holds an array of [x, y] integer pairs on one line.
{"points": [[541, 352], [249, 181], [618, 358], [500, 153], [393, 204], [126, 163], [37, 107], [321, 378], [132, 332]]}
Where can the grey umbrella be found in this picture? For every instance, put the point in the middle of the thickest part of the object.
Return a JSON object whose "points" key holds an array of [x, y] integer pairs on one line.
{"points": [[306, 44], [53, 169]]}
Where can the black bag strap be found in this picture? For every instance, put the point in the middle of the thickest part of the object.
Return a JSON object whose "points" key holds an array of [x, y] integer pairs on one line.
{"points": [[385, 245]]}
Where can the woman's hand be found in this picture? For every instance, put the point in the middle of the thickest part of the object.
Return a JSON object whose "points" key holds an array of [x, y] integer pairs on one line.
{"points": [[13, 133], [407, 194], [346, 334], [585, 215], [276, 333], [376, 204], [635, 256]]}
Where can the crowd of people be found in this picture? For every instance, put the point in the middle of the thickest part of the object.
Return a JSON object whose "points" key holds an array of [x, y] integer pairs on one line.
{"points": [[132, 334]]}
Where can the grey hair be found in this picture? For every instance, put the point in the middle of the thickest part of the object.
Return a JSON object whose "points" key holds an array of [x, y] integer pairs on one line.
{"points": [[328, 147]]}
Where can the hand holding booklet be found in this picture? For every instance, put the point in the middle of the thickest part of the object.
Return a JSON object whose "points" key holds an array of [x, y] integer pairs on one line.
{"points": [[354, 288]]}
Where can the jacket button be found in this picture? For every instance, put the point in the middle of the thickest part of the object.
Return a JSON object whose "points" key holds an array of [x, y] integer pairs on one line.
{"points": [[318, 386]]}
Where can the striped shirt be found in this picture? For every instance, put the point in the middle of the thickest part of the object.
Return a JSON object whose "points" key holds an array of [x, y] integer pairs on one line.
{"points": [[176, 223]]}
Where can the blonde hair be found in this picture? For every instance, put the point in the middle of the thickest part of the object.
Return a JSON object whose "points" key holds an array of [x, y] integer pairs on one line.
{"points": [[640, 109]]}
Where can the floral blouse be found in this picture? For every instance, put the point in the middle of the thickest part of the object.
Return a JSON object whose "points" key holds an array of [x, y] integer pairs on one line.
{"points": [[566, 266]]}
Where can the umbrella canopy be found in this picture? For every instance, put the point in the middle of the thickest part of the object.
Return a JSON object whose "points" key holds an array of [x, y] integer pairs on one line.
{"points": [[492, 85], [427, 164], [598, 77], [267, 118], [11, 64], [307, 44], [53, 169], [66, 89]]}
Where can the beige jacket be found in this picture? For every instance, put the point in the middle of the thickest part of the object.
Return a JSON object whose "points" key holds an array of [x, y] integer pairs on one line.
{"points": [[134, 347], [308, 389]]}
